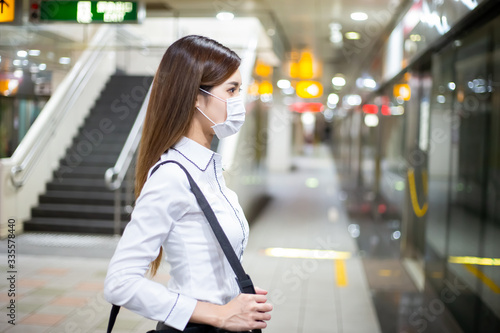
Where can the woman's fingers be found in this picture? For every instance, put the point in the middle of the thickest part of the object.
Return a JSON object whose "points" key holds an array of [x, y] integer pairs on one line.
{"points": [[260, 291]]}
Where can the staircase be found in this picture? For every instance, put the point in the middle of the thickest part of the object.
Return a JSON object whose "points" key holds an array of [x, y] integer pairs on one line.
{"points": [[77, 199]]}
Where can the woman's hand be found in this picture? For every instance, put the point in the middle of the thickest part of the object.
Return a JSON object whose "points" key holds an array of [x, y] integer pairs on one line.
{"points": [[246, 312]]}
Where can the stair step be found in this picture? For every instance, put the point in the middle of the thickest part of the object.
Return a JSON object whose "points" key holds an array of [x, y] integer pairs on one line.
{"points": [[75, 184], [80, 197], [97, 158], [77, 200], [97, 139], [93, 212], [56, 224], [94, 152]]}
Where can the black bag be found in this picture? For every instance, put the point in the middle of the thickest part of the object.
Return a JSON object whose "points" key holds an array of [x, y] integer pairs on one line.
{"points": [[244, 281]]}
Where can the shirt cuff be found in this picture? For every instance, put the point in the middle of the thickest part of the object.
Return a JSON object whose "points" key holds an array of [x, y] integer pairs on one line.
{"points": [[181, 312]]}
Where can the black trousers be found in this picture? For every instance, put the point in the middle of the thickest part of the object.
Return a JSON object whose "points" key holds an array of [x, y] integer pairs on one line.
{"points": [[193, 328]]}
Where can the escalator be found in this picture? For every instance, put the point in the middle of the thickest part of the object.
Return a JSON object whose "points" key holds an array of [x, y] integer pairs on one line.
{"points": [[77, 198]]}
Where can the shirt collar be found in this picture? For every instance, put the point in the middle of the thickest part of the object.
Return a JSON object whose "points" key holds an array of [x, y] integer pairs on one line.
{"points": [[195, 153]]}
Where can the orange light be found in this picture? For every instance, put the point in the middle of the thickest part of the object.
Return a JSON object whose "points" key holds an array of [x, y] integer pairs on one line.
{"points": [[294, 70], [265, 87], [261, 69], [306, 65], [309, 89], [403, 91]]}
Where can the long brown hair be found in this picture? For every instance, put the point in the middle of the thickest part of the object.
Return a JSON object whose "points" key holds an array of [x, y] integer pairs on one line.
{"points": [[188, 64]]}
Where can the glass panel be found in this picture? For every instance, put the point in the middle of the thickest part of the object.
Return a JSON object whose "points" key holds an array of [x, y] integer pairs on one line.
{"points": [[491, 245], [469, 179], [441, 123]]}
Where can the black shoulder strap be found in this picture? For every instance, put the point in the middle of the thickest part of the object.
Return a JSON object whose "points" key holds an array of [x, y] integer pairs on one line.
{"points": [[244, 281]]}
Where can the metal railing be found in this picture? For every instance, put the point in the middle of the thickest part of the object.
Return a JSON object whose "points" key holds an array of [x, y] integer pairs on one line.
{"points": [[79, 78], [115, 175]]}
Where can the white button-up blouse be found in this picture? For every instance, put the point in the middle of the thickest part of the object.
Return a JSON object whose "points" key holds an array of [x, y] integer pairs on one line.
{"points": [[166, 214]]}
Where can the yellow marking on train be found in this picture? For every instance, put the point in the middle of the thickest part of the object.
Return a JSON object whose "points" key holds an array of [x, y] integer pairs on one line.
{"points": [[341, 273], [474, 261], [485, 279]]}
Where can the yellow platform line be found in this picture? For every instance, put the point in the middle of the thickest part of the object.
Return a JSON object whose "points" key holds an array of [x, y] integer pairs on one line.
{"points": [[485, 279], [340, 272]]}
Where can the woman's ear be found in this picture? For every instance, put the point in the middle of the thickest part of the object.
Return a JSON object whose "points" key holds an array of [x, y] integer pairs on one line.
{"points": [[199, 101]]}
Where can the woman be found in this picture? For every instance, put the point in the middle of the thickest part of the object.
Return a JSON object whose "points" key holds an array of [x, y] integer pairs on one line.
{"points": [[195, 95]]}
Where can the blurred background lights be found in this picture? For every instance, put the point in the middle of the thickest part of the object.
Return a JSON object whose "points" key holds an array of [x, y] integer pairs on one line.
{"points": [[22, 54], [354, 230], [399, 185], [34, 53], [397, 110], [64, 60], [452, 85], [396, 235], [18, 73], [371, 120], [441, 99], [333, 99], [359, 16], [16, 62], [352, 99], [42, 67], [313, 89], [338, 81], [308, 118], [284, 84], [225, 16], [369, 83], [309, 89], [328, 114], [336, 34], [352, 35], [312, 182], [306, 253]]}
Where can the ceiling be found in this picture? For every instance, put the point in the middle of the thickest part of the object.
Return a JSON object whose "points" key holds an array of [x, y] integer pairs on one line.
{"points": [[291, 25], [298, 25]]}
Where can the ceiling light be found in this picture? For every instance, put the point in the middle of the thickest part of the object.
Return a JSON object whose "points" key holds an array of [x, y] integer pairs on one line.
{"points": [[225, 16], [359, 16], [42, 67], [18, 73], [369, 83], [64, 60], [352, 35], [284, 84], [34, 53], [338, 81], [352, 100], [22, 54], [371, 120], [333, 99]]}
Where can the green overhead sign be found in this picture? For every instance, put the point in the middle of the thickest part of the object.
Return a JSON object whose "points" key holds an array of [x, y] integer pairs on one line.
{"points": [[87, 11]]}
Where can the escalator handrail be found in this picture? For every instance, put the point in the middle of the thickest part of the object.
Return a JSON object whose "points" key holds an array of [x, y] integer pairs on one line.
{"points": [[115, 175], [58, 106]]}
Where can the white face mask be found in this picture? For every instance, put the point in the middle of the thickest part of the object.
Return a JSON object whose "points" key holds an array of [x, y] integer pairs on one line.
{"points": [[235, 116]]}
